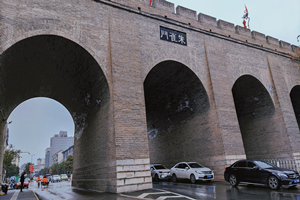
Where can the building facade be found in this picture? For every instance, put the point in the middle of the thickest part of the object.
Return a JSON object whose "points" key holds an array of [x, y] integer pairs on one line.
{"points": [[68, 152], [57, 158], [47, 158], [59, 142]]}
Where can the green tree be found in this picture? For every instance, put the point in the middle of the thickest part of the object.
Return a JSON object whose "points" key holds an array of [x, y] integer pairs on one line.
{"points": [[13, 170], [62, 168], [69, 164], [27, 168], [44, 171], [9, 155]]}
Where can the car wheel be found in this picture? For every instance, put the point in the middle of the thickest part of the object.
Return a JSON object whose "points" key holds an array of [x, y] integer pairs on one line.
{"points": [[273, 182], [233, 180], [156, 179], [174, 178], [193, 178]]}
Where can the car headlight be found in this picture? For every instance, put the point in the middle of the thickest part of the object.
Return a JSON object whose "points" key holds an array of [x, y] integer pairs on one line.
{"points": [[199, 172], [282, 175]]}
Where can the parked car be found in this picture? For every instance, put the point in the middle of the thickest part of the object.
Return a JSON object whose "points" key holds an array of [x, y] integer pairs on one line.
{"points": [[260, 173], [159, 172], [64, 177], [191, 170], [55, 178]]}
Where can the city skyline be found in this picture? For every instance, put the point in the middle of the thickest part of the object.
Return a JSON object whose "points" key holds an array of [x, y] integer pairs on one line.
{"points": [[34, 122]]}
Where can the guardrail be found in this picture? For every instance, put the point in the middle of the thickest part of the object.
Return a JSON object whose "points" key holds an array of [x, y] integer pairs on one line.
{"points": [[289, 163]]}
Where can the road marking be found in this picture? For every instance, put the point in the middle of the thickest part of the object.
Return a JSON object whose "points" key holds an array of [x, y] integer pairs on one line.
{"points": [[179, 195], [144, 195], [15, 196], [156, 193]]}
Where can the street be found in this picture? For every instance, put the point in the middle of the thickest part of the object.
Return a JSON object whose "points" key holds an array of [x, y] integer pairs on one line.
{"points": [[181, 190]]}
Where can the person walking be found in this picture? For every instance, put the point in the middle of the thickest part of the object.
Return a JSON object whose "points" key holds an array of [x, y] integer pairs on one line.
{"points": [[38, 180], [22, 180]]}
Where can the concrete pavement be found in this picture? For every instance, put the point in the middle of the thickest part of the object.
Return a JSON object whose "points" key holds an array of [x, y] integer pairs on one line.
{"points": [[17, 195]]}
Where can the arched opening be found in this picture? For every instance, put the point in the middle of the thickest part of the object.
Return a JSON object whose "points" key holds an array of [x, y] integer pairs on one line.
{"points": [[33, 123], [259, 124], [295, 98], [177, 109], [57, 68]]}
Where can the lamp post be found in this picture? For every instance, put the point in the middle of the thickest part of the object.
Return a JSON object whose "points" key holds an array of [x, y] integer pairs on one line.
{"points": [[31, 163]]}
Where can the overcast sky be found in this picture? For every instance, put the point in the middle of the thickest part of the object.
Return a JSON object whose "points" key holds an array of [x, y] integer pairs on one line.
{"points": [[35, 121], [277, 18]]}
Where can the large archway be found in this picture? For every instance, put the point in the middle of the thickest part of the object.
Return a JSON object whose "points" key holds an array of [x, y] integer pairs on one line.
{"points": [[259, 123], [177, 110], [33, 123], [55, 67], [295, 98]]}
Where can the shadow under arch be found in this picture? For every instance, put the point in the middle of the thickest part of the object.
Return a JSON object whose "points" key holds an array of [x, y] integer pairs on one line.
{"points": [[258, 120], [295, 99], [55, 67], [177, 109]]}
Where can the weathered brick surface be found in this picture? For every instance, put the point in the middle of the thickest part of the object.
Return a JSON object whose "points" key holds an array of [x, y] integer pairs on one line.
{"points": [[78, 52]]}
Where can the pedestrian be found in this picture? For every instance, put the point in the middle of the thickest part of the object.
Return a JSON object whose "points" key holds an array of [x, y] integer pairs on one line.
{"points": [[22, 180], [38, 180]]}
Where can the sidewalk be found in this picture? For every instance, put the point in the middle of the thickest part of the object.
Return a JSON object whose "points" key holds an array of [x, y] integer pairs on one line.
{"points": [[17, 195]]}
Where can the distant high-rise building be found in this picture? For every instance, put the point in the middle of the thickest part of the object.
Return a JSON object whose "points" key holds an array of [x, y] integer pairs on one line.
{"points": [[59, 142], [40, 164], [47, 158]]}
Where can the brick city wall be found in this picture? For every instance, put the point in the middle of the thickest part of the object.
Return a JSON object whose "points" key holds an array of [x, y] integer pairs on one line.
{"points": [[112, 149]]}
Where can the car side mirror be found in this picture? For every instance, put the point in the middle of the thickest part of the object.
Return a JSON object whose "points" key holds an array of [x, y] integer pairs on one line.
{"points": [[256, 168], [186, 168]]}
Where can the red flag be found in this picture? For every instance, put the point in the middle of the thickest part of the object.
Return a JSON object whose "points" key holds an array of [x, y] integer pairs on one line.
{"points": [[150, 2], [246, 9]]}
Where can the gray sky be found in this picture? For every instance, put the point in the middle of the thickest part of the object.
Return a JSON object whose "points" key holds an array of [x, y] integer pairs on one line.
{"points": [[38, 119], [277, 18]]}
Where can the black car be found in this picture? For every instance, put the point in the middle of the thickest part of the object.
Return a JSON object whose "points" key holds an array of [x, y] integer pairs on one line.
{"points": [[261, 173]]}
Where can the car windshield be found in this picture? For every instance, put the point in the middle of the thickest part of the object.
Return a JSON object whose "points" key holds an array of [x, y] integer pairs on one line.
{"points": [[159, 167], [264, 165], [195, 165]]}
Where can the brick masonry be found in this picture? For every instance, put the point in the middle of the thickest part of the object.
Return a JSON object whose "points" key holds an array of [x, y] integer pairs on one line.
{"points": [[78, 52]]}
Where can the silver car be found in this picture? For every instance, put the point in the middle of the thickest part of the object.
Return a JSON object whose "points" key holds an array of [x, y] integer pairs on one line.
{"points": [[56, 178], [159, 172]]}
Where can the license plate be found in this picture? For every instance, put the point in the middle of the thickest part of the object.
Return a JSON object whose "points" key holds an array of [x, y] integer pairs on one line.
{"points": [[209, 176], [296, 181]]}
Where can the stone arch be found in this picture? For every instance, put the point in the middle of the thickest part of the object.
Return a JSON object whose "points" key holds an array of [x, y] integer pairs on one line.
{"points": [[258, 121], [50, 27], [177, 111], [55, 67], [295, 99]]}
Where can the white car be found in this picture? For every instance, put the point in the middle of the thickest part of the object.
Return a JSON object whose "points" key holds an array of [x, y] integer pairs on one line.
{"points": [[191, 170], [56, 178], [159, 172]]}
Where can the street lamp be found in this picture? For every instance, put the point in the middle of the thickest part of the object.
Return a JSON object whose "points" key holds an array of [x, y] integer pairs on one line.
{"points": [[31, 163]]}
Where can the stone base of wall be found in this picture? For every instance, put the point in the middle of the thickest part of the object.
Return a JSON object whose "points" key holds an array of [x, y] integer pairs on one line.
{"points": [[133, 175]]}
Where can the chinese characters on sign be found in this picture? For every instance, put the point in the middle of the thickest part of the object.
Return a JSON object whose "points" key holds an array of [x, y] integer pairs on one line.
{"points": [[173, 36]]}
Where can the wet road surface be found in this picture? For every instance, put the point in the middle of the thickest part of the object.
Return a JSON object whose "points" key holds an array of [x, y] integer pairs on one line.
{"points": [[222, 190], [168, 190]]}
